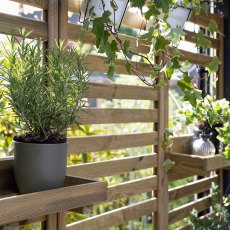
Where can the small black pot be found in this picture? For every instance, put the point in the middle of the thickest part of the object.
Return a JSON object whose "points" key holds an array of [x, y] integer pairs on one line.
{"points": [[39, 167]]}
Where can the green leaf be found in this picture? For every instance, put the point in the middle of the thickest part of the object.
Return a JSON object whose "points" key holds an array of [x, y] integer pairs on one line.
{"points": [[163, 4], [213, 65], [192, 96], [205, 7], [213, 26], [176, 34], [128, 67], [152, 11], [138, 3], [111, 72], [126, 47], [114, 5], [161, 43], [202, 41]]}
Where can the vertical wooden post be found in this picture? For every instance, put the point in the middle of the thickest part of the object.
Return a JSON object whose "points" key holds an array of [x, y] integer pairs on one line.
{"points": [[61, 221], [52, 23], [52, 222], [161, 216], [220, 54], [63, 20]]}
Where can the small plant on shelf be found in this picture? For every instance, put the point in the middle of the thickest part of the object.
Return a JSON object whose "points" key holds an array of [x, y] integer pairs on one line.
{"points": [[45, 90], [211, 115]]}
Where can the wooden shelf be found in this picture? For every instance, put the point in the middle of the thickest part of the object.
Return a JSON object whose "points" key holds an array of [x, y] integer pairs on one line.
{"points": [[188, 164], [198, 164], [77, 192]]}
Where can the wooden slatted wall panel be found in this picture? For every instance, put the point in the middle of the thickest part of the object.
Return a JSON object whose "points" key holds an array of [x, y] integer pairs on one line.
{"points": [[77, 145]]}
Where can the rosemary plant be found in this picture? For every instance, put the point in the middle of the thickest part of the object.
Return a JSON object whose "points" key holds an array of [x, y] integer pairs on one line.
{"points": [[45, 88]]}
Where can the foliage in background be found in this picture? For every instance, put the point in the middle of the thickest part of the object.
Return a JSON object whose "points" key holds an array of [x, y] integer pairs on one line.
{"points": [[45, 92], [221, 218]]}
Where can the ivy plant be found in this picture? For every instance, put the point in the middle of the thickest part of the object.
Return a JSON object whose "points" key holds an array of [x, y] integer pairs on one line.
{"points": [[108, 42]]}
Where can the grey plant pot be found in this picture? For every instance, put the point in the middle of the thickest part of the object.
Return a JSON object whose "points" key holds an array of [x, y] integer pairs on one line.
{"points": [[39, 167]]}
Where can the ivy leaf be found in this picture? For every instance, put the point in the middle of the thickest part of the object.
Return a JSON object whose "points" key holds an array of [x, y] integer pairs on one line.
{"points": [[169, 72], [185, 83], [152, 11], [176, 34], [205, 7], [163, 4], [126, 47], [161, 43], [111, 72], [138, 3], [202, 41], [213, 65], [213, 26], [192, 96]]}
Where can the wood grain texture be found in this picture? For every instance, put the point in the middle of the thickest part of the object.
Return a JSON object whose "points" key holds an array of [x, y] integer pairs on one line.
{"points": [[203, 19], [63, 20], [191, 188], [52, 23], [197, 164], [215, 162], [51, 223], [116, 217], [132, 188], [11, 24], [220, 54], [182, 144], [184, 210], [118, 91], [61, 220], [109, 142], [113, 167], [31, 205], [194, 58], [108, 116], [43, 4], [161, 217]]}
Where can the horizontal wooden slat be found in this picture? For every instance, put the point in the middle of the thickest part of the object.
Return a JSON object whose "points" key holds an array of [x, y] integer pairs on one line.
{"points": [[108, 116], [132, 188], [184, 211], [97, 63], [117, 91], [11, 24], [203, 19], [32, 205], [74, 32], [194, 58], [113, 167], [191, 188], [116, 217], [190, 37], [43, 4], [108, 142]]}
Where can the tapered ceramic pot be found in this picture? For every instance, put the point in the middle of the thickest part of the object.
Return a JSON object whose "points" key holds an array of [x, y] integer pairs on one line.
{"points": [[39, 167]]}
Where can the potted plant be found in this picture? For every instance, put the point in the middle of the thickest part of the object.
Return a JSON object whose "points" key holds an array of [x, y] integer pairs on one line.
{"points": [[45, 90]]}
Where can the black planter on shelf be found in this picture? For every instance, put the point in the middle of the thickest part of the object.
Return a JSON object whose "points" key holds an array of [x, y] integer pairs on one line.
{"points": [[39, 167]]}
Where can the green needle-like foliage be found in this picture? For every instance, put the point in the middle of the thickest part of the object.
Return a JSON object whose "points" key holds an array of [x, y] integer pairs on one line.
{"points": [[45, 88]]}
